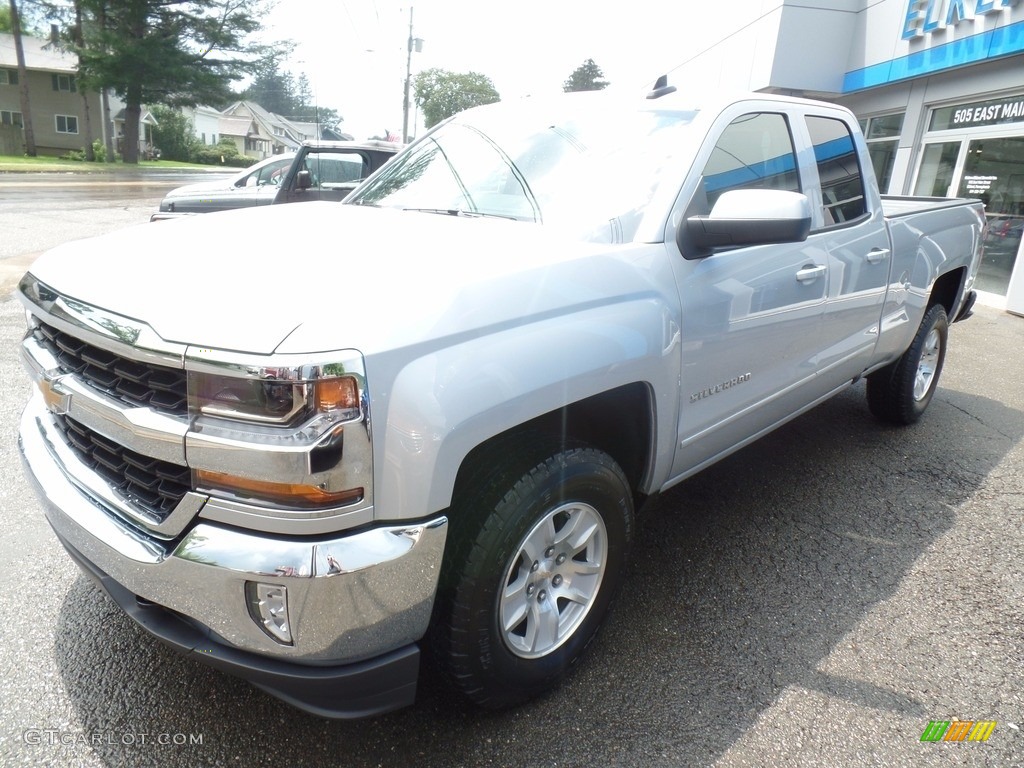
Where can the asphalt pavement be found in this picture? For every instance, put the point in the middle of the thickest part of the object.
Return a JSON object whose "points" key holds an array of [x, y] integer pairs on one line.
{"points": [[816, 599]]}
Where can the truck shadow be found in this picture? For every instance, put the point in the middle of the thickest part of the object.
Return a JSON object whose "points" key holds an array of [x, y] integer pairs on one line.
{"points": [[744, 579]]}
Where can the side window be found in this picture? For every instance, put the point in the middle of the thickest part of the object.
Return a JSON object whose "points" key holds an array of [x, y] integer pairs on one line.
{"points": [[755, 151], [842, 186], [336, 169], [272, 173]]}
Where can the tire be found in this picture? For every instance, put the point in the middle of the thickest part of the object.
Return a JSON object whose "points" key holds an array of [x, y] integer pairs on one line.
{"points": [[529, 578], [900, 392]]}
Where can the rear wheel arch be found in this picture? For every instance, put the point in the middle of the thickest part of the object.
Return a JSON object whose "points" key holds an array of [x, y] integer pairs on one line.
{"points": [[900, 392], [946, 290]]}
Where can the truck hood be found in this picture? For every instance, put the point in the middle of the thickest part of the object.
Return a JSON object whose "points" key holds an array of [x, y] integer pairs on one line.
{"points": [[202, 187], [327, 275]]}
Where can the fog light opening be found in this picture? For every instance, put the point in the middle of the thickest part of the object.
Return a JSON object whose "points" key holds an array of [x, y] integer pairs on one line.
{"points": [[268, 607]]}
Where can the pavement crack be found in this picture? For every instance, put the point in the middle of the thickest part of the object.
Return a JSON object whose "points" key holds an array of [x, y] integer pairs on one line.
{"points": [[977, 419]]}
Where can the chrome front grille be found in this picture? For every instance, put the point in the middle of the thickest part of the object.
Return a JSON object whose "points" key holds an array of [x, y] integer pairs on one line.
{"points": [[137, 384], [151, 485]]}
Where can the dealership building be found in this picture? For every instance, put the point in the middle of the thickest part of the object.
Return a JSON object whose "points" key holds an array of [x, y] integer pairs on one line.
{"points": [[938, 86]]}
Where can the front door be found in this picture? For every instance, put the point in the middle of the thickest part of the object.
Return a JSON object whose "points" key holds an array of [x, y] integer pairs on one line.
{"points": [[752, 316], [333, 174]]}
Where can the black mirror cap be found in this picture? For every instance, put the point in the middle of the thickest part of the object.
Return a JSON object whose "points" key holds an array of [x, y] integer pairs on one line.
{"points": [[304, 179], [708, 234]]}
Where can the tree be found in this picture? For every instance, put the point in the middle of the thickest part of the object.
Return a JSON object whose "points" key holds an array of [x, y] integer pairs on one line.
{"points": [[26, 107], [441, 94], [292, 97], [5, 19], [272, 88], [167, 52], [586, 77], [77, 41], [174, 133]]}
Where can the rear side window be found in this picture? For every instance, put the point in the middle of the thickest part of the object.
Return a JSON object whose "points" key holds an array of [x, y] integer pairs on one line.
{"points": [[336, 169], [842, 185], [755, 151]]}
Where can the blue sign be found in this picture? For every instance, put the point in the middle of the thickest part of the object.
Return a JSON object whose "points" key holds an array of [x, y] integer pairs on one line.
{"points": [[927, 16]]}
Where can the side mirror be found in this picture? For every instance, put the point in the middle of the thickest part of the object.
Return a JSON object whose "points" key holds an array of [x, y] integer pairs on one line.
{"points": [[303, 179], [752, 217]]}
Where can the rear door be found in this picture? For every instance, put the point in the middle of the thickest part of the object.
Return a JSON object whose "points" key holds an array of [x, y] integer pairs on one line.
{"points": [[849, 226]]}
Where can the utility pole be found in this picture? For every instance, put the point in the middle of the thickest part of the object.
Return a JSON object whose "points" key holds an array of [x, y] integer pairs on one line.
{"points": [[413, 44], [408, 77]]}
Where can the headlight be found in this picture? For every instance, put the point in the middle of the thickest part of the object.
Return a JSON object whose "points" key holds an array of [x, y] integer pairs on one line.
{"points": [[291, 431], [267, 402], [275, 396]]}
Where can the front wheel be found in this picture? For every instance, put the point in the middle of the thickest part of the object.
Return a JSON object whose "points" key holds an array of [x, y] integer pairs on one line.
{"points": [[900, 392], [531, 574]]}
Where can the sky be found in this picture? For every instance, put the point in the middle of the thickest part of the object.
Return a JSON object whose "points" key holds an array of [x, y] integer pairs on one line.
{"points": [[354, 51]]}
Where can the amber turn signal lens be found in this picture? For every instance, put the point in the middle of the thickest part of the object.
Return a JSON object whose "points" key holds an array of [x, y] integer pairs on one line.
{"points": [[287, 493], [337, 394]]}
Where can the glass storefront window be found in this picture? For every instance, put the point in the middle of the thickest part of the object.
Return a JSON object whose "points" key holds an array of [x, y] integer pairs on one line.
{"points": [[885, 127], [937, 166], [883, 138], [977, 114], [994, 173], [883, 157]]}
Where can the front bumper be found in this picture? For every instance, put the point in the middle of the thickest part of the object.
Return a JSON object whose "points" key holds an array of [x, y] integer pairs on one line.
{"points": [[168, 215], [357, 603]]}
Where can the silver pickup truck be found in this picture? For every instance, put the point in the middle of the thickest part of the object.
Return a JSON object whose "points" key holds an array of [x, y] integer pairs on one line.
{"points": [[300, 466]]}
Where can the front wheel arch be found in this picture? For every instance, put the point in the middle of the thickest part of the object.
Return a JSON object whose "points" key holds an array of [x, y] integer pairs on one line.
{"points": [[535, 558]]}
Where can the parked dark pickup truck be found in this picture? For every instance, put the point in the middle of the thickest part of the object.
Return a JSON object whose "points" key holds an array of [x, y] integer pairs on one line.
{"points": [[320, 170]]}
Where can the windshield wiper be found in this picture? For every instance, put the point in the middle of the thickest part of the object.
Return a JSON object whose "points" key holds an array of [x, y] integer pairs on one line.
{"points": [[467, 214]]}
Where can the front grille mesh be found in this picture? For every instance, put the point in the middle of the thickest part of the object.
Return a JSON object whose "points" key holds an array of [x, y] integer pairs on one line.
{"points": [[153, 485], [137, 384]]}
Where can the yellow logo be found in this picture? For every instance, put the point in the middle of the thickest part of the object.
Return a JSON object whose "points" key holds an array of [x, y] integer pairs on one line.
{"points": [[56, 402]]}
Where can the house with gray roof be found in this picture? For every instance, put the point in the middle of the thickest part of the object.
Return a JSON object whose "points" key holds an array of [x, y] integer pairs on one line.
{"points": [[62, 115]]}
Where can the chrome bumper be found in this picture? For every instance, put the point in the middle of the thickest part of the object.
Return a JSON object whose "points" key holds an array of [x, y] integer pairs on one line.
{"points": [[167, 215], [351, 597]]}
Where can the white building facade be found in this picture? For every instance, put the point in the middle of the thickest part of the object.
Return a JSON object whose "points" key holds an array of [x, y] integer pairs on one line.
{"points": [[937, 84]]}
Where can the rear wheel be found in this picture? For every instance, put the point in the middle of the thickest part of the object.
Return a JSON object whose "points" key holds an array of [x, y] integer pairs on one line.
{"points": [[531, 573], [900, 392]]}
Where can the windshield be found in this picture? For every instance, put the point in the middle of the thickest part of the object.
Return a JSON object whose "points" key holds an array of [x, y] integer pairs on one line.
{"points": [[591, 173]]}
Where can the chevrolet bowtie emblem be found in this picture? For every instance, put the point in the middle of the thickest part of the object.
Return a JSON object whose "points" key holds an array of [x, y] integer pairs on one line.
{"points": [[56, 402]]}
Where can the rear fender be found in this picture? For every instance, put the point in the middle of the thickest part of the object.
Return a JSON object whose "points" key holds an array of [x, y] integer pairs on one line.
{"points": [[925, 246]]}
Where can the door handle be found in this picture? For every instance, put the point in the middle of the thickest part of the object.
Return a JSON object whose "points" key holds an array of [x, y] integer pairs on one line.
{"points": [[877, 255], [810, 274]]}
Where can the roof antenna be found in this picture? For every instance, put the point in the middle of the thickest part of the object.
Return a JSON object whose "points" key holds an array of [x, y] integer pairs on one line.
{"points": [[661, 88]]}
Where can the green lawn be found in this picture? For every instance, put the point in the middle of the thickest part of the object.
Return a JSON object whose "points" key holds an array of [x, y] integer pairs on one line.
{"points": [[12, 164]]}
